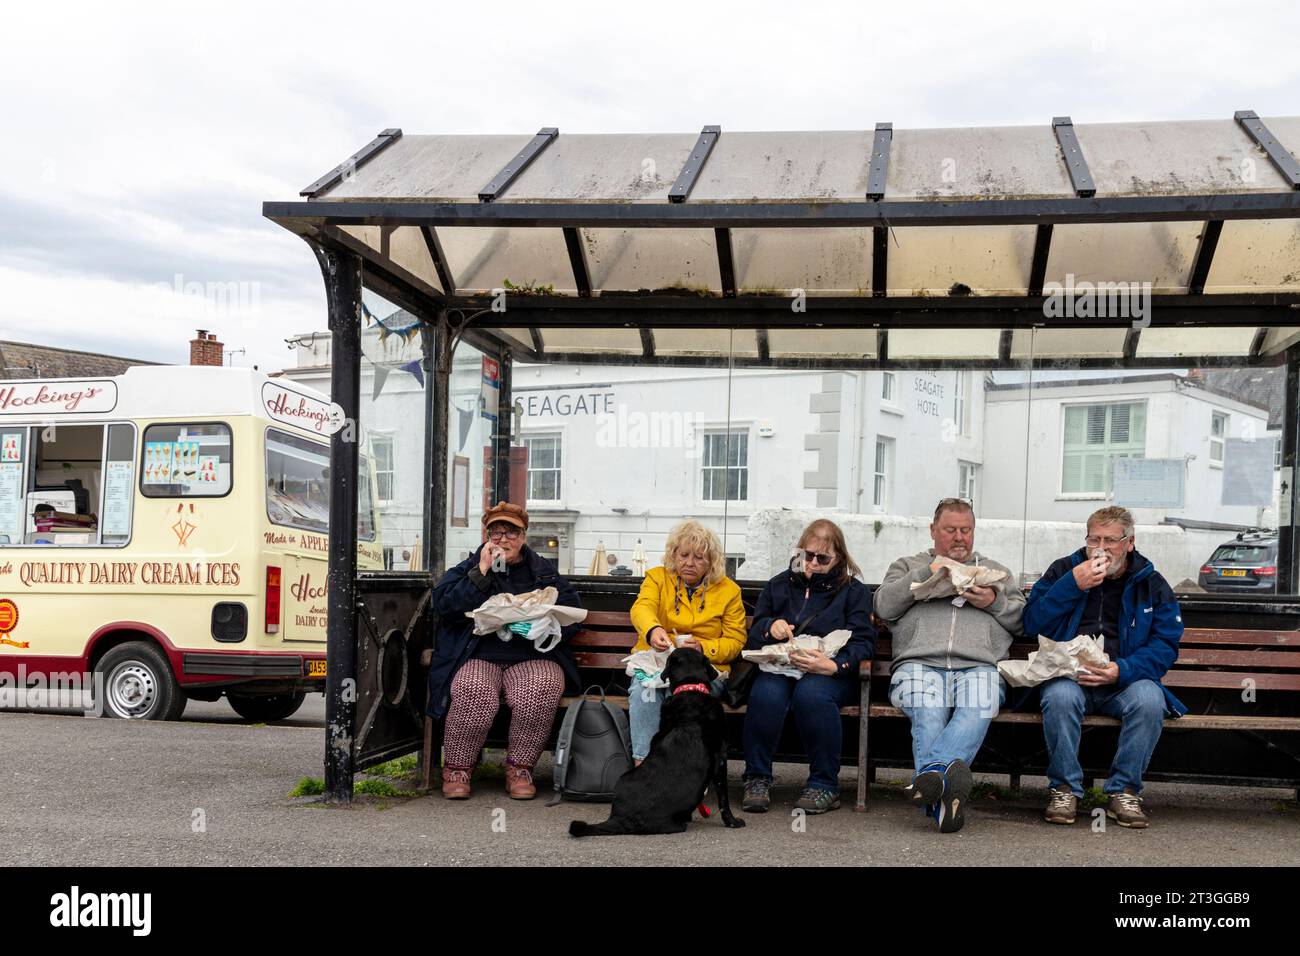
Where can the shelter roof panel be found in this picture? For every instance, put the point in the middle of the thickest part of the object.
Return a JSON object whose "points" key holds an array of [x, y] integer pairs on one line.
{"points": [[430, 168], [1257, 255], [1194, 157], [979, 163], [1157, 252], [981, 260]]}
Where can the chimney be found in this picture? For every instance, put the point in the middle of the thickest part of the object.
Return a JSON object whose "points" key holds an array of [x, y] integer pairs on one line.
{"points": [[206, 350]]}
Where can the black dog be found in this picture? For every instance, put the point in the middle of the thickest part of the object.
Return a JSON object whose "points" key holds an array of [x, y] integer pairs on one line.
{"points": [[687, 754]]}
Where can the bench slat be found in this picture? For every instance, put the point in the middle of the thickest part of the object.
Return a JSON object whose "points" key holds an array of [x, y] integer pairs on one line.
{"points": [[1200, 635], [1196, 721]]}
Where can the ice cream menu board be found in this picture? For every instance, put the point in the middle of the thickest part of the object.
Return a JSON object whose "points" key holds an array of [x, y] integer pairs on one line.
{"points": [[172, 463], [11, 448], [117, 498], [11, 501]]}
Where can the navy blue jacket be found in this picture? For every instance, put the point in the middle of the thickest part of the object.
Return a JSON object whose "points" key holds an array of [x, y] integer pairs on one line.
{"points": [[827, 608], [460, 591], [1150, 620]]}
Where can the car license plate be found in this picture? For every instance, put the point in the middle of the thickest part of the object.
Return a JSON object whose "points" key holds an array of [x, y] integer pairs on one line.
{"points": [[1233, 574], [315, 668]]}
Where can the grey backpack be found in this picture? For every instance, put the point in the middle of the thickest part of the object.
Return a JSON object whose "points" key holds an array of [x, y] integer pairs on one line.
{"points": [[592, 751]]}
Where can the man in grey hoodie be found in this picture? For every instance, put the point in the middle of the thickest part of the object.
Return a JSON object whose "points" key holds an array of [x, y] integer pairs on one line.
{"points": [[946, 651]]}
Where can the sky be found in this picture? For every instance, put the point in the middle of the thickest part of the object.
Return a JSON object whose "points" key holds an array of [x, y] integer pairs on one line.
{"points": [[143, 138]]}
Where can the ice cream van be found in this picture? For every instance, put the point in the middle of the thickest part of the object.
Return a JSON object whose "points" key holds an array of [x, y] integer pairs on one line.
{"points": [[164, 536]]}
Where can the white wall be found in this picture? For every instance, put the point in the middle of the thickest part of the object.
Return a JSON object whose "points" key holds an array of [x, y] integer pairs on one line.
{"points": [[1026, 548]]}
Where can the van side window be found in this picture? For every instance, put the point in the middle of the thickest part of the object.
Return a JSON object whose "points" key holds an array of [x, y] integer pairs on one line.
{"points": [[186, 461]]}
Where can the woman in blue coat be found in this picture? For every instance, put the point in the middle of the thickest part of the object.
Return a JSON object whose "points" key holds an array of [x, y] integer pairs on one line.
{"points": [[825, 596]]}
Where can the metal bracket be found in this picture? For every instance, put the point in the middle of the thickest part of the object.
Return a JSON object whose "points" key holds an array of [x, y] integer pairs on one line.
{"points": [[726, 263], [502, 180], [349, 166], [1075, 164], [1205, 247], [578, 262], [691, 171], [1281, 157], [879, 171]]}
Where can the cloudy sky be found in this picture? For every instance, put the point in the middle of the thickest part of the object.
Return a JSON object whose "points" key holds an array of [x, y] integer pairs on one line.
{"points": [[142, 141]]}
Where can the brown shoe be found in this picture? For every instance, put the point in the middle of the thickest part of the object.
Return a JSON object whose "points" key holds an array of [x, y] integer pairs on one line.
{"points": [[455, 784], [1062, 806], [1125, 808], [519, 783]]}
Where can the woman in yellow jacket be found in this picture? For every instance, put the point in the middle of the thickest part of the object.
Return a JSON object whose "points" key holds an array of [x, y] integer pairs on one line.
{"points": [[688, 602]]}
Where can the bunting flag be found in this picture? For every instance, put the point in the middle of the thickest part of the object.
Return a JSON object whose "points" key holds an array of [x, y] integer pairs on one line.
{"points": [[466, 419], [414, 368], [381, 376]]}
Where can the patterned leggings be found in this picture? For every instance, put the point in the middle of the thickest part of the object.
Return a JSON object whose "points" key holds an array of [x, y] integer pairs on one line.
{"points": [[532, 690]]}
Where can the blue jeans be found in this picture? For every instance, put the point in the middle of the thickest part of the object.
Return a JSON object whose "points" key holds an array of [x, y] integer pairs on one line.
{"points": [[1141, 708], [643, 713], [816, 699], [950, 710]]}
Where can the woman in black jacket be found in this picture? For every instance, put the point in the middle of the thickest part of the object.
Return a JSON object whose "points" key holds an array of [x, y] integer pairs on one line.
{"points": [[469, 674], [824, 596]]}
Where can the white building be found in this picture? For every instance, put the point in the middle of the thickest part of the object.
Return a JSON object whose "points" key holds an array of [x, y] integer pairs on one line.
{"points": [[617, 454]]}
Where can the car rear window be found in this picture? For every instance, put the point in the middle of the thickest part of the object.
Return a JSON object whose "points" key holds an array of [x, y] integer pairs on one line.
{"points": [[1240, 553]]}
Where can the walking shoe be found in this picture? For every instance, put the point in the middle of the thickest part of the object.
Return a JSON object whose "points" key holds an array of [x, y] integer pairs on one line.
{"points": [[519, 783], [758, 795], [455, 784], [813, 800], [956, 791], [1062, 806], [927, 786], [1125, 808]]}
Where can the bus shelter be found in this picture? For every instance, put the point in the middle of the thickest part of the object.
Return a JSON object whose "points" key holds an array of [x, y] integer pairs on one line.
{"points": [[1045, 319]]}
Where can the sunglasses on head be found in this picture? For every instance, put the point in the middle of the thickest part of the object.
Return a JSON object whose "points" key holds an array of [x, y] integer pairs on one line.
{"points": [[815, 558]]}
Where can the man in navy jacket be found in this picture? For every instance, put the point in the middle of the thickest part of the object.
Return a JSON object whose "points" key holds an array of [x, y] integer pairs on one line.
{"points": [[1107, 588]]}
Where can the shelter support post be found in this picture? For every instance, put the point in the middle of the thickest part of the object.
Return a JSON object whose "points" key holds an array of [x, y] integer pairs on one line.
{"points": [[501, 437], [342, 274], [1288, 536], [437, 406]]}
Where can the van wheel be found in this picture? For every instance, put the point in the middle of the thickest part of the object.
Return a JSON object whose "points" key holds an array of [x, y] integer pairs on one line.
{"points": [[266, 708], [138, 683]]}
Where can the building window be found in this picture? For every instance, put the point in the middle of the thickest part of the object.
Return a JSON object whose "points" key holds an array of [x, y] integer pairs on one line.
{"points": [[382, 448], [884, 462], [543, 467], [888, 392], [1095, 435], [1277, 454], [961, 403], [726, 466], [967, 475], [1218, 431], [734, 561]]}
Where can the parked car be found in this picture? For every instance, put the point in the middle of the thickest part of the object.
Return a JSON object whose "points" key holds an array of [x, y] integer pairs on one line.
{"points": [[1246, 563]]}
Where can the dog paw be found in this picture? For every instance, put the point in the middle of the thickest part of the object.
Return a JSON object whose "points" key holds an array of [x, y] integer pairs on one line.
{"points": [[734, 824]]}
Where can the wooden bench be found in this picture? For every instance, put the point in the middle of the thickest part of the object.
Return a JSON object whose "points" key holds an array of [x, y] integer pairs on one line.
{"points": [[1209, 659], [599, 648]]}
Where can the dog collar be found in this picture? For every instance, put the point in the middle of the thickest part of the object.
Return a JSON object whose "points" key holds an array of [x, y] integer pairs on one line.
{"points": [[701, 688]]}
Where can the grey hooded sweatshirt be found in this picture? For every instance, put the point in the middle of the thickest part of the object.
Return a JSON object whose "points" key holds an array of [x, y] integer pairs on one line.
{"points": [[936, 632]]}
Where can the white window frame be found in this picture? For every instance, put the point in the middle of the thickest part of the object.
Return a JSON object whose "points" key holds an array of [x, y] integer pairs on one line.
{"points": [[530, 436], [967, 480], [1220, 439], [704, 433], [961, 403], [1062, 494], [390, 439], [882, 478]]}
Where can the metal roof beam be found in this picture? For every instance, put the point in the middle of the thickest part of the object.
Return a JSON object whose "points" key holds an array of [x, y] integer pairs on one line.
{"points": [[694, 163], [439, 257], [726, 264], [1278, 154], [1205, 246], [578, 262], [349, 166], [502, 180], [1075, 164], [1038, 267], [878, 175]]}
